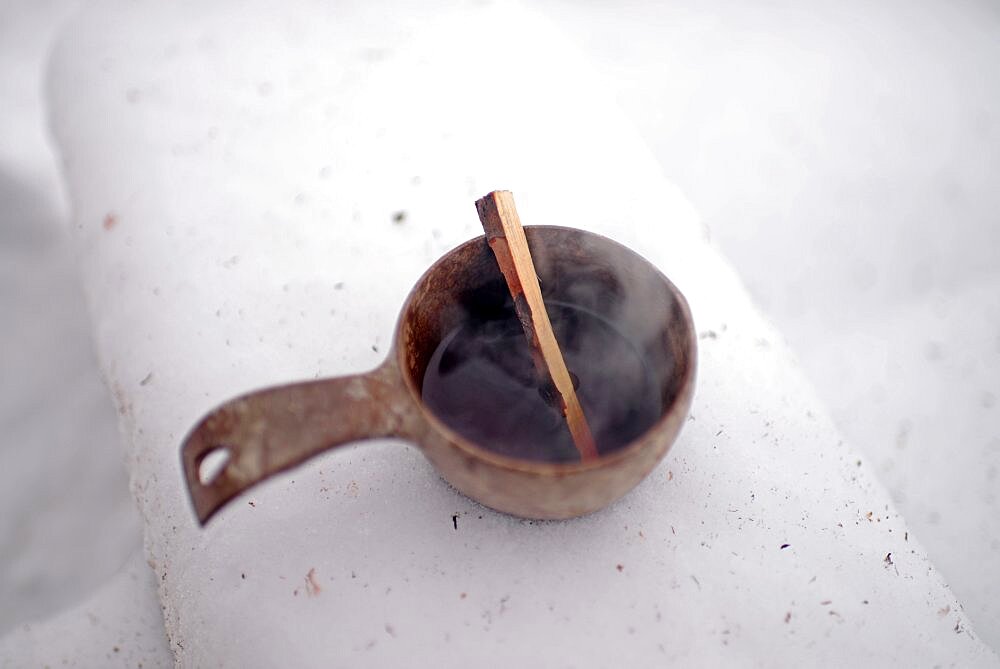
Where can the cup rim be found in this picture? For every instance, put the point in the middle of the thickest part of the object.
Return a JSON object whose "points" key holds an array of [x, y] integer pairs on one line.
{"points": [[557, 469]]}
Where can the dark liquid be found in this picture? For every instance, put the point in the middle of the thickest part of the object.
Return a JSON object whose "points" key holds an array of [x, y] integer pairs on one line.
{"points": [[482, 383]]}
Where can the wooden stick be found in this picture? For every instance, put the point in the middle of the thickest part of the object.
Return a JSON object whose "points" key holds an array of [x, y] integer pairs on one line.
{"points": [[506, 237]]}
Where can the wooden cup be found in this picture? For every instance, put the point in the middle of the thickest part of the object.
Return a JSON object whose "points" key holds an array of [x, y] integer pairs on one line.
{"points": [[270, 430]]}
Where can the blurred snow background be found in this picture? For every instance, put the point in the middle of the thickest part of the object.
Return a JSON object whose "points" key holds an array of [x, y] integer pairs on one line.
{"points": [[844, 157], [68, 521]]}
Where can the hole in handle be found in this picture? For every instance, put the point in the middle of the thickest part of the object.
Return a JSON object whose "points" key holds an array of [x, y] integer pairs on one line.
{"points": [[212, 464]]}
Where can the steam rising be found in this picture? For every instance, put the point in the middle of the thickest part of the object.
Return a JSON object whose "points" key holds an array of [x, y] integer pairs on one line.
{"points": [[609, 318]]}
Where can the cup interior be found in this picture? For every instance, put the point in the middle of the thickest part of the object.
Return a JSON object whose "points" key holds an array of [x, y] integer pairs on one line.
{"points": [[585, 270]]}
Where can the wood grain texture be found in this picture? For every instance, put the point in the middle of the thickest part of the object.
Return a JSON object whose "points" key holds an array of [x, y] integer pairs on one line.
{"points": [[506, 238]]}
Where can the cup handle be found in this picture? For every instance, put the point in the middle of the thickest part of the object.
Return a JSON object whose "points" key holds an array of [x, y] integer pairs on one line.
{"points": [[259, 434]]}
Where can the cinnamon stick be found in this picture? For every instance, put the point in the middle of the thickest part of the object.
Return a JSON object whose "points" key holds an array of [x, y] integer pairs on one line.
{"points": [[506, 238]]}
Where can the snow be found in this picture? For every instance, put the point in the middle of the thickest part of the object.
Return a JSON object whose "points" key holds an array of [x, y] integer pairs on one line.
{"points": [[840, 156]]}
